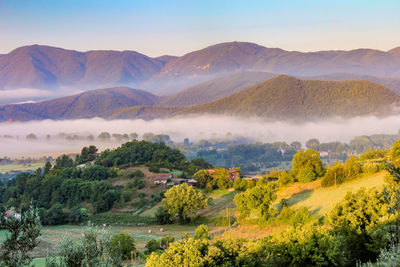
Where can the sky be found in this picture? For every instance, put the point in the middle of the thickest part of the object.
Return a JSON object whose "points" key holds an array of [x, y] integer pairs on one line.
{"points": [[176, 27]]}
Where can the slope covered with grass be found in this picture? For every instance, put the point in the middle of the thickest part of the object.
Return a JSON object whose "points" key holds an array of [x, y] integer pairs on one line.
{"points": [[321, 199]]}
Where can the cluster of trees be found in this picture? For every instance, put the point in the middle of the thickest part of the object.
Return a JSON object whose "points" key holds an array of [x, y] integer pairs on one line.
{"points": [[142, 152], [219, 179], [251, 158], [362, 228], [358, 145]]}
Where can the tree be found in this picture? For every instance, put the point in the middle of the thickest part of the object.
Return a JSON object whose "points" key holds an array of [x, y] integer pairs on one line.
{"points": [[296, 145], [395, 153], [361, 211], [123, 243], [334, 175], [313, 143], [22, 239], [47, 167], [63, 162], [95, 172], [104, 136], [258, 198], [202, 177], [183, 201], [202, 232], [285, 178], [152, 246], [307, 166], [87, 154], [31, 136], [133, 136], [352, 167]]}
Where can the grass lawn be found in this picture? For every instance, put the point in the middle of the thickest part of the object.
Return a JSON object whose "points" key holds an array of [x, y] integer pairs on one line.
{"points": [[20, 167], [175, 173], [321, 199], [51, 235]]}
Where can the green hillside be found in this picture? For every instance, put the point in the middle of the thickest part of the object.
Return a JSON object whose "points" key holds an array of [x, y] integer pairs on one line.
{"points": [[321, 199], [286, 97]]}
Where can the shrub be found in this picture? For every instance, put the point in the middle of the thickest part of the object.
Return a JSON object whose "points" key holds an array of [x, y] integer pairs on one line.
{"points": [[152, 246], [285, 178], [370, 167], [127, 195], [334, 175], [123, 243], [202, 232], [162, 216], [136, 173]]}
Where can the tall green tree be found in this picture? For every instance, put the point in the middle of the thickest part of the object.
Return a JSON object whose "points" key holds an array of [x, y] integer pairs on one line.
{"points": [[258, 198], [184, 201], [307, 166]]}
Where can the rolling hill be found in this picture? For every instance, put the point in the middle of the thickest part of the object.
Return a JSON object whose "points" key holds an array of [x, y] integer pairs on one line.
{"points": [[279, 98], [286, 97], [215, 89], [85, 105]]}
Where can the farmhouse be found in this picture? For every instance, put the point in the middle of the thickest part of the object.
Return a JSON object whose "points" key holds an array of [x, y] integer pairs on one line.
{"points": [[191, 182], [12, 213], [162, 178]]}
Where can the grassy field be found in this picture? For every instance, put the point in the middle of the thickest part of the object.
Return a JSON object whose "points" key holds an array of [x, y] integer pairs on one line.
{"points": [[51, 235], [20, 167], [321, 199]]}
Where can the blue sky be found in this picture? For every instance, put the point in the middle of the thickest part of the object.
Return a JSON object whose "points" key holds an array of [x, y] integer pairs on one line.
{"points": [[176, 27]]}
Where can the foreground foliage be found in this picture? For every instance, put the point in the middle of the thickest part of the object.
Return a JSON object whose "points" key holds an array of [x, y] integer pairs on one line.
{"points": [[22, 238]]}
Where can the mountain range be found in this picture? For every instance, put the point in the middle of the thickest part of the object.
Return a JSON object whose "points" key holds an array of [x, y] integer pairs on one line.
{"points": [[282, 97], [45, 67]]}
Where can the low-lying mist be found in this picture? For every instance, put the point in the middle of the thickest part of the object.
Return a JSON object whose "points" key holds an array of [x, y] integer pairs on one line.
{"points": [[194, 128]]}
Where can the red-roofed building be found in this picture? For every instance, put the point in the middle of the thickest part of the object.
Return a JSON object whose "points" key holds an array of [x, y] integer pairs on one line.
{"points": [[13, 213]]}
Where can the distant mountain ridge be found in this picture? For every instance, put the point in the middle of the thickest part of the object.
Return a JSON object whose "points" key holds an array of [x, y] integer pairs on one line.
{"points": [[85, 105], [279, 98], [46, 67], [50, 67]]}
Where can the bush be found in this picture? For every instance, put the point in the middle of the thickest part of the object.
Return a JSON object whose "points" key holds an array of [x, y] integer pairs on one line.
{"points": [[370, 167], [285, 178], [162, 216], [94, 173], [87, 249], [154, 168], [202, 232], [165, 241], [152, 246], [136, 173], [334, 175], [123, 243], [127, 195], [295, 217]]}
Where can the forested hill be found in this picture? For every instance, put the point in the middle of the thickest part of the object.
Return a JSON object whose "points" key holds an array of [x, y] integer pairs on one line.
{"points": [[280, 98], [286, 97]]}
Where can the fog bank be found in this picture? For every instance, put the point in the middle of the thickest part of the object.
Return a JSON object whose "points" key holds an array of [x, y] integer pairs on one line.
{"points": [[194, 128]]}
